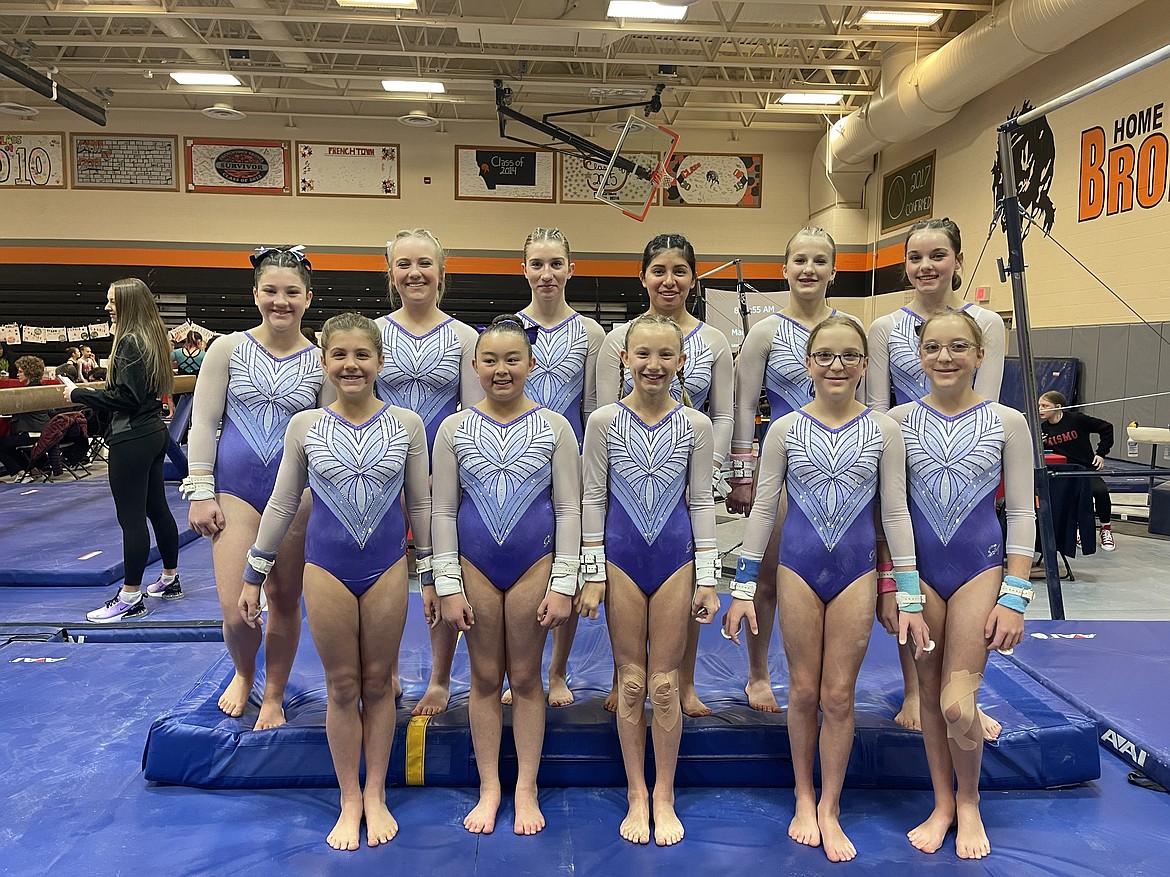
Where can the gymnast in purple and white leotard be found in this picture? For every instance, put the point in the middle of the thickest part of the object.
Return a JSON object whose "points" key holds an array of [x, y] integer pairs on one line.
{"points": [[254, 382], [958, 446], [649, 550], [365, 463], [427, 369], [836, 458], [507, 527], [773, 358]]}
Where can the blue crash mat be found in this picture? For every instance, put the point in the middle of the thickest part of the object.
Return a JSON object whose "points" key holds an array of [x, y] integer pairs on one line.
{"points": [[1046, 742], [67, 533], [1117, 672]]}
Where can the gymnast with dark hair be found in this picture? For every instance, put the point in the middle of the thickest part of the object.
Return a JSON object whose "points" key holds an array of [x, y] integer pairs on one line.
{"points": [[254, 382], [669, 273], [507, 538]]}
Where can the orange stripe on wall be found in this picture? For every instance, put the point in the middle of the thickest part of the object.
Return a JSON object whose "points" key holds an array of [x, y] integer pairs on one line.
{"points": [[490, 265]]}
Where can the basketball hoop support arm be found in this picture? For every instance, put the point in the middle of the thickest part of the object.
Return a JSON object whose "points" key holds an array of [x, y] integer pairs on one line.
{"points": [[741, 288], [583, 147]]}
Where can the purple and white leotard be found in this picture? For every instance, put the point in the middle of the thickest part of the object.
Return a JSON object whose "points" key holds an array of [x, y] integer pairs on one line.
{"points": [[565, 376], [648, 491]]}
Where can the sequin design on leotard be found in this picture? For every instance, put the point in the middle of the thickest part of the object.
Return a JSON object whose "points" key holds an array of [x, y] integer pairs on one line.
{"points": [[356, 472], [786, 378], [953, 467], [505, 472], [832, 476], [421, 372], [647, 527], [910, 381], [263, 393], [696, 371], [558, 380]]}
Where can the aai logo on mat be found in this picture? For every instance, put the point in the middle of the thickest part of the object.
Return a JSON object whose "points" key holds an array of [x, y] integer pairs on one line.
{"points": [[241, 166], [1062, 635], [1125, 747], [35, 660]]}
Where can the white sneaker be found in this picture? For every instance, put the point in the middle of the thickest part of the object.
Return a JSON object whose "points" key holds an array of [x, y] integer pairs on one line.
{"points": [[1107, 543]]}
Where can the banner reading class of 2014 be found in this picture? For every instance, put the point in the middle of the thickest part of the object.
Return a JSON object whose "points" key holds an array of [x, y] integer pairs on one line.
{"points": [[492, 174]]}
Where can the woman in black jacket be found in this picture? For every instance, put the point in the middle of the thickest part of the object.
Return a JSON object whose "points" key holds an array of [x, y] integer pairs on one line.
{"points": [[139, 374], [14, 446], [1066, 432]]}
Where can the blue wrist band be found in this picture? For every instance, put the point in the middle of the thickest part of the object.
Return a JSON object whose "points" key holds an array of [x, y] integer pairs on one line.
{"points": [[747, 570], [909, 595]]}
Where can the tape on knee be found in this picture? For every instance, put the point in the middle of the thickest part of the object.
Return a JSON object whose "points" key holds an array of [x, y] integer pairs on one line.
{"points": [[959, 694], [664, 699], [631, 683]]}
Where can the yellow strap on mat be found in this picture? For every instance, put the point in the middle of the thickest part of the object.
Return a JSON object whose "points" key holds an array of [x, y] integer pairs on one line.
{"points": [[416, 750]]}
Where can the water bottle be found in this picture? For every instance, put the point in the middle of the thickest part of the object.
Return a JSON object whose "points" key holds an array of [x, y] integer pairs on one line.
{"points": [[1131, 445]]}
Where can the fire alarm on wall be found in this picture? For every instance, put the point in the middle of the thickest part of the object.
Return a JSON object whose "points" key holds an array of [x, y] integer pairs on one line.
{"points": [[983, 293]]}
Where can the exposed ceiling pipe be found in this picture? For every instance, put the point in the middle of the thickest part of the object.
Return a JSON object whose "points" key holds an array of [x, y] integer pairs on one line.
{"points": [[278, 33], [917, 97], [180, 30]]}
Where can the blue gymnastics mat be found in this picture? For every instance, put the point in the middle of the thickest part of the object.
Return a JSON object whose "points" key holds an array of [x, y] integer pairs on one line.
{"points": [[67, 533], [1045, 742], [1117, 672], [78, 803], [195, 618]]}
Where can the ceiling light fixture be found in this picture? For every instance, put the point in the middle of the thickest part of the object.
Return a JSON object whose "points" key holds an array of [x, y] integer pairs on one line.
{"points": [[899, 18], [379, 4], [645, 10], [414, 86], [195, 77], [812, 98]]}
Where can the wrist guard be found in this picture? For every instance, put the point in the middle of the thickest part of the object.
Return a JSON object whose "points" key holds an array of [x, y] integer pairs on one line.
{"points": [[746, 573], [1015, 593], [706, 567], [197, 487], [743, 466], [593, 563], [422, 566], [259, 565], [564, 574], [448, 574], [910, 597], [885, 578]]}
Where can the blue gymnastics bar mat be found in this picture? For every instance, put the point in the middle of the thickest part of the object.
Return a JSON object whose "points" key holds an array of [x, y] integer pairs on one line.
{"points": [[67, 533], [1045, 743], [1118, 673]]}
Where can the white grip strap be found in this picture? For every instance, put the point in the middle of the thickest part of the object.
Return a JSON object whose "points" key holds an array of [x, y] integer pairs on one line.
{"points": [[197, 487], [424, 570], [593, 563], [564, 574], [743, 466], [706, 565], [448, 574]]}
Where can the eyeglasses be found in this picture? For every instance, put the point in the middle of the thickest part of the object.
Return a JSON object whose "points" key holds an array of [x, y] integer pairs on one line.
{"points": [[956, 348], [825, 358]]}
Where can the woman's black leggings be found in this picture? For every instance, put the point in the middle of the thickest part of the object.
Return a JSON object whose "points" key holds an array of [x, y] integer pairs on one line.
{"points": [[136, 480], [1101, 501]]}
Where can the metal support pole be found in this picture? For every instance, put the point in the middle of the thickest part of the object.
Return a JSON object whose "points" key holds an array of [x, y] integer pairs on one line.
{"points": [[1015, 266]]}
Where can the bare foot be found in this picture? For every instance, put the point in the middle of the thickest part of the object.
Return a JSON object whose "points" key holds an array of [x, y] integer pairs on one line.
{"points": [[909, 716], [434, 701], [691, 705], [761, 697], [558, 691], [636, 826], [271, 716], [837, 845], [991, 728], [929, 836], [611, 704], [668, 830], [482, 818], [235, 698], [506, 698], [381, 827], [346, 834], [529, 819], [804, 827], [971, 841]]}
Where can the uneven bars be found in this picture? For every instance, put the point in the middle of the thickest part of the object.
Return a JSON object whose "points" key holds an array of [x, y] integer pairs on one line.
{"points": [[1088, 88], [707, 274]]}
